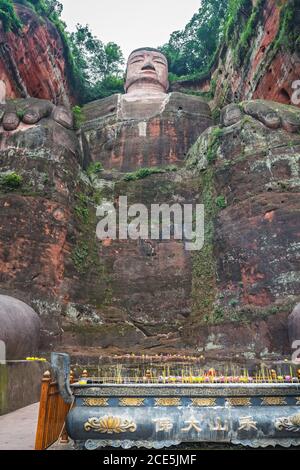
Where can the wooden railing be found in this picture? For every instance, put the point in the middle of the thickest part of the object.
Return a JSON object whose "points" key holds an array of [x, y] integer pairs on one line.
{"points": [[52, 415]]}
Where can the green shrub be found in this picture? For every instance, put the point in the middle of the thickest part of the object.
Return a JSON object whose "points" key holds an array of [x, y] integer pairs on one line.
{"points": [[221, 202], [94, 168], [79, 117], [142, 173], [233, 303], [11, 181], [213, 144], [243, 49], [216, 113], [8, 16], [171, 168]]}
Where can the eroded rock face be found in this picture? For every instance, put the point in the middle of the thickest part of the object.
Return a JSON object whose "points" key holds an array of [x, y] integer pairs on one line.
{"points": [[32, 63], [19, 328], [126, 133], [270, 70], [135, 295], [294, 325], [250, 169], [267, 68], [39, 177]]}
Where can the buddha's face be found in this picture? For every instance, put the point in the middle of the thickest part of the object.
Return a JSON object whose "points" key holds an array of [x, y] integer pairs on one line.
{"points": [[145, 68]]}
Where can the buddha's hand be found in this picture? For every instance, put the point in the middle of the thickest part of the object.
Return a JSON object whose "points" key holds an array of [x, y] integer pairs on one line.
{"points": [[30, 111], [273, 115]]}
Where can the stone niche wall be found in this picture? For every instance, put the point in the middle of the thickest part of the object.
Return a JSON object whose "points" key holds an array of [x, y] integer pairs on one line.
{"points": [[20, 384]]}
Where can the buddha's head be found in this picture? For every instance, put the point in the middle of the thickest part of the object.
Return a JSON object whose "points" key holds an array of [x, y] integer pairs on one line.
{"points": [[147, 71]]}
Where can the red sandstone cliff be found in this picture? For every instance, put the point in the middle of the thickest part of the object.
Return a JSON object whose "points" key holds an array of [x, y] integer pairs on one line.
{"points": [[269, 65], [32, 62]]}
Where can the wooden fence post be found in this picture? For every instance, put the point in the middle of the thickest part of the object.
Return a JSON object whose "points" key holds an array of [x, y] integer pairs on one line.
{"points": [[39, 442]]}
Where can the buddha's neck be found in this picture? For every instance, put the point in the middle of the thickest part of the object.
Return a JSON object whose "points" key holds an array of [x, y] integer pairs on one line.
{"points": [[142, 89]]}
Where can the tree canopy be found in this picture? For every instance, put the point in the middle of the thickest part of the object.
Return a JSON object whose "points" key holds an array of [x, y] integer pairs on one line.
{"points": [[99, 63], [94, 67], [191, 50]]}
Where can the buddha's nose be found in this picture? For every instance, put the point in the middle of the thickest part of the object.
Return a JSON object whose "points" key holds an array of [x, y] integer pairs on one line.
{"points": [[148, 66]]}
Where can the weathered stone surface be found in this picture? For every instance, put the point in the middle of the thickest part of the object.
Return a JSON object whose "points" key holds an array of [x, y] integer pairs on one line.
{"points": [[294, 325], [32, 110], [40, 170], [146, 72], [20, 384], [33, 62], [152, 279], [251, 171], [232, 299], [230, 115], [19, 328], [269, 71], [126, 134], [120, 296]]}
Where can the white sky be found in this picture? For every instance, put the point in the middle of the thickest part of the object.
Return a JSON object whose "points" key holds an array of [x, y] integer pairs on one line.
{"points": [[130, 23]]}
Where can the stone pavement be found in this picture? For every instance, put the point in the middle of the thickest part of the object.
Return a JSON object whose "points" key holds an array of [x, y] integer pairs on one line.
{"points": [[17, 429]]}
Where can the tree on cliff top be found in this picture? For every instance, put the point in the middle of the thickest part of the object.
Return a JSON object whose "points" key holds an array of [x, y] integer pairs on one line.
{"points": [[8, 16], [191, 50], [94, 67], [99, 63]]}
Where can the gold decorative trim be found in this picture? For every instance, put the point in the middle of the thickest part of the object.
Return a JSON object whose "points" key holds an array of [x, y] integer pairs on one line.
{"points": [[131, 401], [204, 402], [239, 401], [95, 402], [110, 425], [167, 401], [273, 401]]}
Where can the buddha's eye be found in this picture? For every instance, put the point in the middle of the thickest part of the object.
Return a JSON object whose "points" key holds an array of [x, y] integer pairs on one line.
{"points": [[159, 62], [136, 61]]}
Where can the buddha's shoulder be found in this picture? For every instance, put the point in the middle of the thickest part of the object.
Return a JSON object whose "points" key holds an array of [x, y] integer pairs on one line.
{"points": [[176, 101], [188, 103], [101, 108]]}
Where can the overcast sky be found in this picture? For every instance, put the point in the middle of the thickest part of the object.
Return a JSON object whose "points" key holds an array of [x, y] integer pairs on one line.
{"points": [[130, 23]]}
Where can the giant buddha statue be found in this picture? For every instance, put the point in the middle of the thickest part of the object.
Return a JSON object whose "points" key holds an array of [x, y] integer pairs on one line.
{"points": [[135, 295], [146, 126]]}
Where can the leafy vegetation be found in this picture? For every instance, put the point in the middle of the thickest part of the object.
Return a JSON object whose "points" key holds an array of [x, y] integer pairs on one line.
{"points": [[213, 144], [94, 68], [204, 264], [8, 16], [99, 64], [94, 168], [243, 48], [78, 116], [234, 8], [144, 172], [289, 31], [221, 202], [191, 51], [11, 181]]}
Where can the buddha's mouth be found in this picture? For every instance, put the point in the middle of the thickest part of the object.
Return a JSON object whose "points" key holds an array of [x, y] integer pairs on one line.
{"points": [[148, 71]]}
